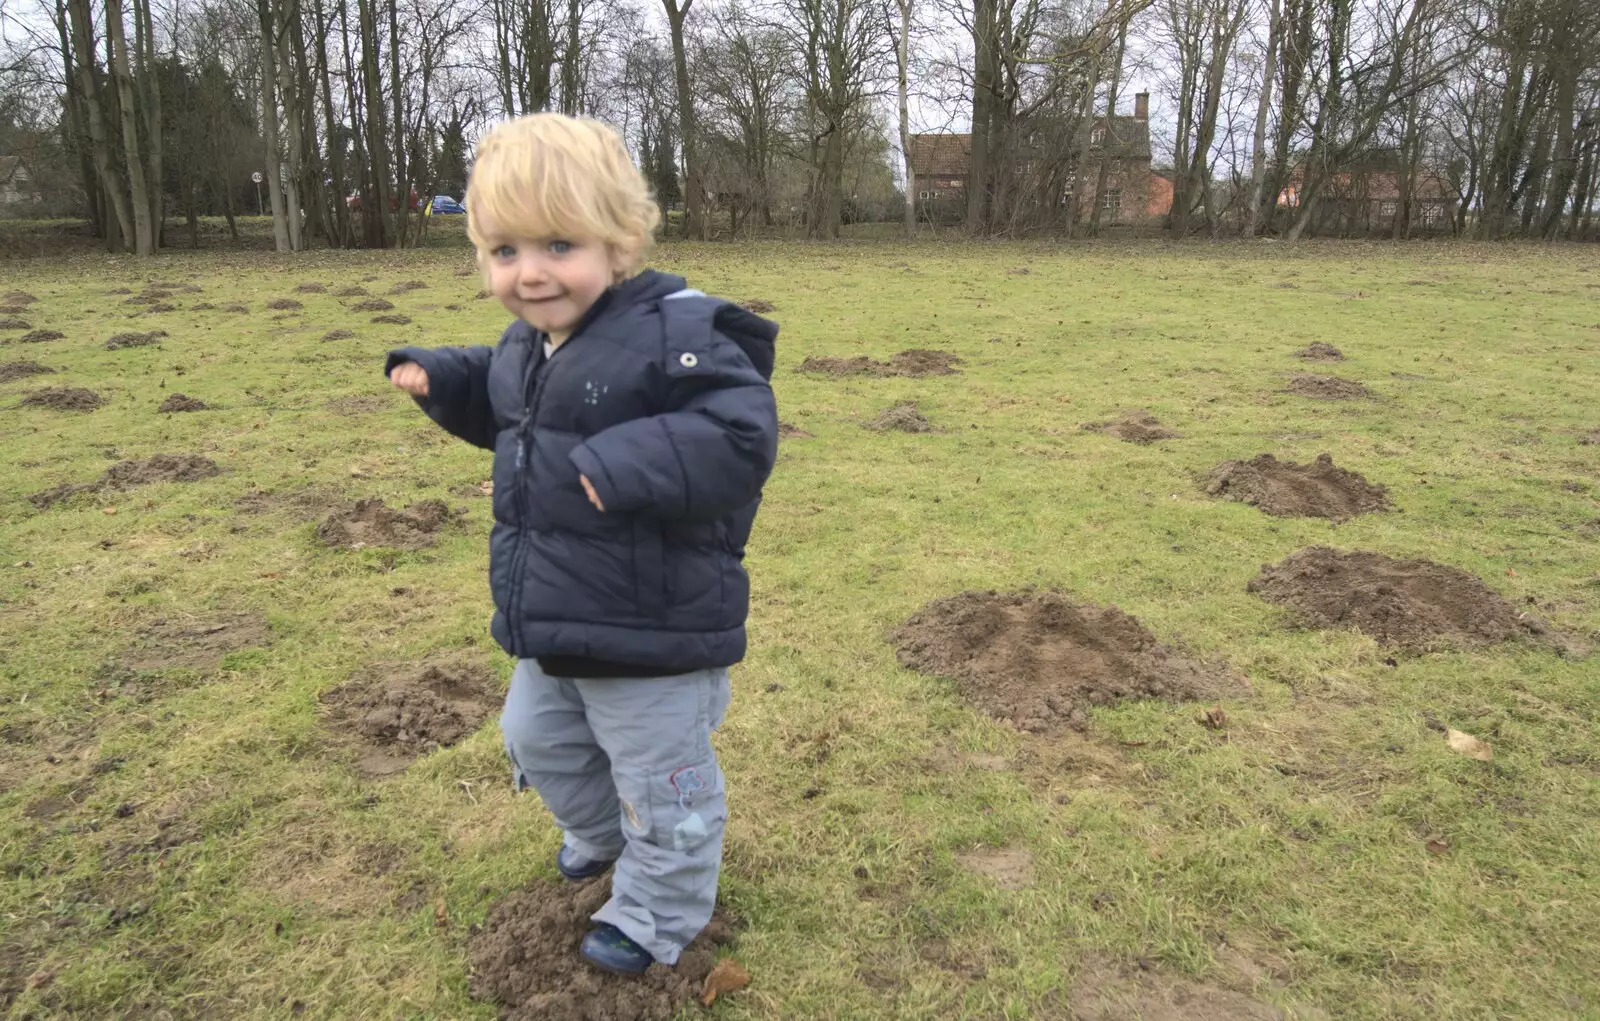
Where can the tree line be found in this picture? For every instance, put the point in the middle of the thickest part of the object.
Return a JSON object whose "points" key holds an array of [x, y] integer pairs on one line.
{"points": [[1477, 117]]}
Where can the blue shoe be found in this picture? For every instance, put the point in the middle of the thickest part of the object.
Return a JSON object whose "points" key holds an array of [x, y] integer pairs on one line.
{"points": [[609, 950], [575, 866]]}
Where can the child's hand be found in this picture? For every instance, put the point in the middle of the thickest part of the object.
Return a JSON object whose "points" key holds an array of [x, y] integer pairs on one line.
{"points": [[410, 377], [594, 498]]}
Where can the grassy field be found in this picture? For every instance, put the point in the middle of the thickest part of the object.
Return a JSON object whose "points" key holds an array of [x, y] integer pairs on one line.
{"points": [[184, 832]]}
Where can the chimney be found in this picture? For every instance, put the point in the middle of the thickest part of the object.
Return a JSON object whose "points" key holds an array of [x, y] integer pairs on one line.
{"points": [[1141, 106]]}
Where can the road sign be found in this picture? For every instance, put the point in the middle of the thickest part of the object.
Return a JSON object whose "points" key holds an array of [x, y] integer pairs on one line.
{"points": [[256, 177]]}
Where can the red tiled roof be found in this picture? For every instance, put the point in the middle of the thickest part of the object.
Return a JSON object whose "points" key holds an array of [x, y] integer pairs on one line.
{"points": [[940, 155]]}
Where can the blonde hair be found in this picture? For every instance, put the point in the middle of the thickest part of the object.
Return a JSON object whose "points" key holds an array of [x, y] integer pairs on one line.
{"points": [[547, 175]]}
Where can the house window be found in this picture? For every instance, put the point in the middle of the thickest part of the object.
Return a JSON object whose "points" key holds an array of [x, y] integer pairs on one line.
{"points": [[1386, 208], [922, 195], [1097, 136], [1111, 201], [1430, 215]]}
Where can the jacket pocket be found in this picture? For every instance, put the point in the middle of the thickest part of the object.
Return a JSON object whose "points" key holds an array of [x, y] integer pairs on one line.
{"points": [[649, 567]]}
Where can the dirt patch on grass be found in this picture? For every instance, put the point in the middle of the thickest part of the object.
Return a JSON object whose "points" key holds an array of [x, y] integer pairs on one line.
{"points": [[122, 340], [1137, 426], [374, 523], [303, 504], [1327, 388], [393, 319], [338, 334], [41, 336], [1038, 660], [17, 298], [1591, 439], [398, 712], [127, 474], [1105, 992], [903, 417], [758, 306], [22, 370], [162, 307], [406, 286], [1317, 351], [352, 291], [1285, 489], [1414, 605], [236, 307], [15, 324], [526, 960], [183, 402], [357, 404], [787, 431], [311, 287], [284, 305], [372, 305], [1011, 868], [64, 398], [195, 643], [915, 362]]}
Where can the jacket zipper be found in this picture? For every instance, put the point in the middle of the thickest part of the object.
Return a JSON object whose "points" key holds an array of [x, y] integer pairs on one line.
{"points": [[524, 441]]}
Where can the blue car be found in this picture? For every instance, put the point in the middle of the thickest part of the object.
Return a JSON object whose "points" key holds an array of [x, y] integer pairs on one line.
{"points": [[446, 204]]}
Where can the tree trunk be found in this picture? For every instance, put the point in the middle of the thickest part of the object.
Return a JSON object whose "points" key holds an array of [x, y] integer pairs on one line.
{"points": [[339, 235], [402, 207], [150, 113], [375, 207], [694, 194], [1103, 172], [571, 78], [269, 126], [984, 71], [227, 204], [1258, 168], [904, 61], [1563, 169], [128, 103], [289, 96], [76, 131]]}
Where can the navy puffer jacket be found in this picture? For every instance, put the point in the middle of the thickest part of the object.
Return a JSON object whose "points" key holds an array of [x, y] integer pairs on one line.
{"points": [[661, 398]]}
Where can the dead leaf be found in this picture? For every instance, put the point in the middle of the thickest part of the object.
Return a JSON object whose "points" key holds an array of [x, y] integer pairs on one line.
{"points": [[41, 978], [108, 510], [1466, 744], [1214, 718], [726, 977], [441, 917], [486, 487], [1511, 572], [1438, 845]]}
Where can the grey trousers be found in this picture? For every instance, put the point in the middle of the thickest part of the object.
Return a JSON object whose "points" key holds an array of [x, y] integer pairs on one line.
{"points": [[626, 767]]}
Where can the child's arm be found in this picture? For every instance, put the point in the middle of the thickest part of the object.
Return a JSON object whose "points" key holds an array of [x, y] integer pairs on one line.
{"points": [[453, 388], [706, 459]]}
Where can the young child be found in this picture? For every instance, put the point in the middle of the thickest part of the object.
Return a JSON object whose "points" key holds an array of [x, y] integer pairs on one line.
{"points": [[633, 427]]}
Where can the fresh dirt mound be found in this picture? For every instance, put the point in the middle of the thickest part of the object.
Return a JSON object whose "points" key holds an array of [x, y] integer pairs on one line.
{"points": [[285, 305], [1590, 439], [903, 417], [1135, 427], [372, 305], [481, 295], [407, 285], [915, 362], [12, 310], [1317, 351], [237, 307], [398, 712], [1285, 489], [195, 643], [40, 336], [786, 431], [204, 306], [338, 334], [122, 340], [64, 398], [163, 307], [353, 291], [1406, 604], [1327, 388], [1038, 660], [393, 319], [17, 298], [160, 468], [22, 370], [758, 306], [525, 959], [374, 523], [311, 287], [183, 402], [15, 324]]}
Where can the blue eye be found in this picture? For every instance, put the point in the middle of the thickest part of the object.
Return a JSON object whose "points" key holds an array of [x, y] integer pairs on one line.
{"points": [[504, 252], [560, 247]]}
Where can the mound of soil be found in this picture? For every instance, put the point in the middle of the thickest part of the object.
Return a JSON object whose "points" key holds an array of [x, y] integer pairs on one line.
{"points": [[204, 306], [311, 287], [372, 305], [195, 643], [17, 298], [338, 334], [525, 959], [786, 431], [758, 306], [160, 468], [1317, 351], [1590, 440], [374, 523], [15, 324], [407, 285], [915, 362], [147, 298], [480, 296], [64, 398], [1327, 388], [393, 319], [12, 310], [1405, 604], [22, 370], [40, 336], [237, 307], [1285, 489], [183, 402], [1038, 660], [122, 340], [352, 291], [1135, 427], [285, 305], [163, 307], [903, 417], [399, 712]]}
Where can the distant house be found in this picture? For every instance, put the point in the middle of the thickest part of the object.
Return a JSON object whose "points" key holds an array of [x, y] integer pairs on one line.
{"points": [[1361, 201], [1133, 194], [16, 185]]}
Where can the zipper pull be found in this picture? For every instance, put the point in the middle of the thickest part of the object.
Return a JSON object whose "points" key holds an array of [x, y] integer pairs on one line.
{"points": [[521, 449]]}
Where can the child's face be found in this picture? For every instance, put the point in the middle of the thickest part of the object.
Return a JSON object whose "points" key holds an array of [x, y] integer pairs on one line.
{"points": [[547, 282]]}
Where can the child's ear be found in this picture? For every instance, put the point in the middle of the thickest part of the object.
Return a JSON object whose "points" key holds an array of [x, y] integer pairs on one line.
{"points": [[621, 264]]}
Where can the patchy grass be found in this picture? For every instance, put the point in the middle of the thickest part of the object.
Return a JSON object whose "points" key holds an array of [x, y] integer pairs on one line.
{"points": [[181, 835]]}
